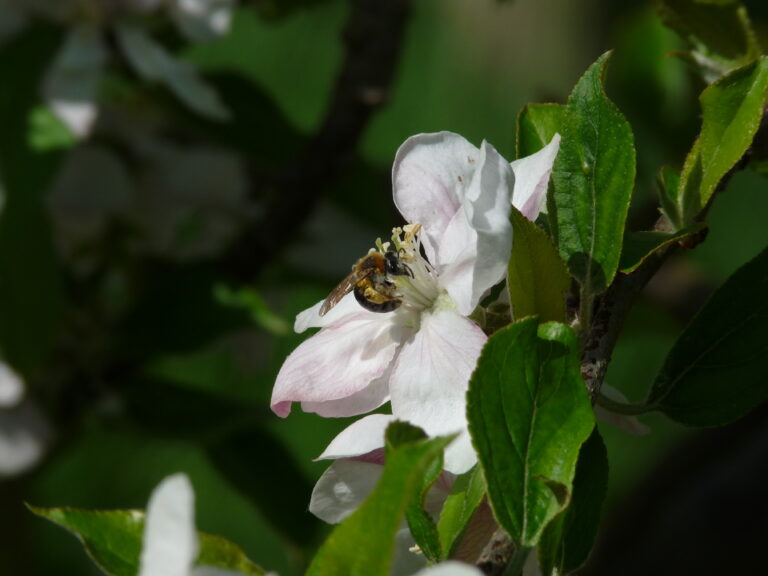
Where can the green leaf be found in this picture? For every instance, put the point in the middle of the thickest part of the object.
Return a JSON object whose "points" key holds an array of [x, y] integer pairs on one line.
{"points": [[593, 178], [716, 371], [669, 191], [421, 524], [536, 126], [640, 245], [719, 33], [538, 278], [112, 538], [732, 109], [364, 543], [529, 413], [568, 540], [464, 500], [48, 132], [250, 301]]}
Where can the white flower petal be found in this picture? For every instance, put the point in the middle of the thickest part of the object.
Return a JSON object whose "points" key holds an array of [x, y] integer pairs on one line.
{"points": [[361, 402], [170, 543], [24, 436], [202, 20], [11, 386], [429, 176], [338, 362], [474, 249], [153, 62], [429, 384], [450, 568], [342, 488], [72, 82], [345, 308], [359, 438], [532, 177], [629, 424]]}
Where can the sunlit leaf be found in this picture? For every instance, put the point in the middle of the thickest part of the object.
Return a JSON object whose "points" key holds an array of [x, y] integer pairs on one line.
{"points": [[112, 538], [364, 543], [529, 413], [537, 124], [593, 179]]}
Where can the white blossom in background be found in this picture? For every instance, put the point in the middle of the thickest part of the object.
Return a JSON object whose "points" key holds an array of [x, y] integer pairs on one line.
{"points": [[170, 543], [456, 199], [74, 77], [179, 202], [24, 433]]}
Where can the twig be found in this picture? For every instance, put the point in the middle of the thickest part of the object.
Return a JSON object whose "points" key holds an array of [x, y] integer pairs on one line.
{"points": [[373, 39]]}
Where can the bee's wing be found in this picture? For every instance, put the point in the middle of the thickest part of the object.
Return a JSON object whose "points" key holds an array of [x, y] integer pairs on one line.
{"points": [[345, 287]]}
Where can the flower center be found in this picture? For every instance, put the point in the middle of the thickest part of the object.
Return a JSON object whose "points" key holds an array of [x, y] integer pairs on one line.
{"points": [[419, 290]]}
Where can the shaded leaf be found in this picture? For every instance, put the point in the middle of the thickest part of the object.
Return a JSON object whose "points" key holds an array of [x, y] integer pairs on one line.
{"points": [[537, 278], [568, 540], [716, 371], [719, 33], [465, 498], [529, 413], [640, 245], [593, 178], [112, 538], [537, 124]]}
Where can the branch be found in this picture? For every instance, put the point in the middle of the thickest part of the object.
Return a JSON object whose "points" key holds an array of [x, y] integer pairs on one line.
{"points": [[373, 39]]}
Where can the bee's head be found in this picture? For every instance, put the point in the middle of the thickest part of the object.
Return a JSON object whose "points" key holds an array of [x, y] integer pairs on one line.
{"points": [[395, 266]]}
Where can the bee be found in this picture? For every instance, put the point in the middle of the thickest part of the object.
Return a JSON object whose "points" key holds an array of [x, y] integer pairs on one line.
{"points": [[371, 284]]}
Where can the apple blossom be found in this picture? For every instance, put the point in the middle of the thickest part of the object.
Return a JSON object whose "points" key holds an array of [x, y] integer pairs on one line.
{"points": [[456, 200], [73, 79]]}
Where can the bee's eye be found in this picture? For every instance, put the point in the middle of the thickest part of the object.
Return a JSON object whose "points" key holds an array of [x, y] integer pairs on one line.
{"points": [[392, 263]]}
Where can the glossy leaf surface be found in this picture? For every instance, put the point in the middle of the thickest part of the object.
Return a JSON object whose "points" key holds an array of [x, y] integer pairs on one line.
{"points": [[529, 413], [593, 179]]}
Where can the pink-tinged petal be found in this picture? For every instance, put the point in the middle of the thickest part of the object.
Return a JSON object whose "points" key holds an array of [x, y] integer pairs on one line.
{"points": [[629, 424], [338, 362], [359, 438], [532, 177], [474, 249], [429, 176], [347, 307], [429, 384], [342, 488], [362, 402], [170, 542]]}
